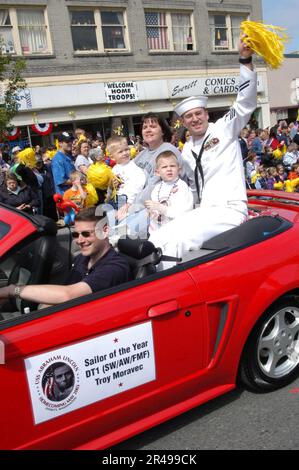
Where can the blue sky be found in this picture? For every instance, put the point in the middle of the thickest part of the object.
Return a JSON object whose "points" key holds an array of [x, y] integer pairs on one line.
{"points": [[284, 14]]}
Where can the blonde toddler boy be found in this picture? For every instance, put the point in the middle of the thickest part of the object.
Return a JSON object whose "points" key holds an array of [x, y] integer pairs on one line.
{"points": [[171, 196], [129, 178]]}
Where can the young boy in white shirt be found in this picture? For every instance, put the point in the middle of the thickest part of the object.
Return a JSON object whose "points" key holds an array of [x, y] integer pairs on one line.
{"points": [[171, 196], [129, 178]]}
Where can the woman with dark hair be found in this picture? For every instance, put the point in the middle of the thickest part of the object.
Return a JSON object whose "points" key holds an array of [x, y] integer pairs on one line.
{"points": [[156, 135]]}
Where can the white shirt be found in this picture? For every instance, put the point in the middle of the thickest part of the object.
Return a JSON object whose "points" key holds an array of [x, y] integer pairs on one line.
{"points": [[224, 179], [82, 161], [133, 180], [290, 158], [176, 196]]}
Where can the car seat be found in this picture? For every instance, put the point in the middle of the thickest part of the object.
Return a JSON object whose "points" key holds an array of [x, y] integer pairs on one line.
{"points": [[142, 256]]}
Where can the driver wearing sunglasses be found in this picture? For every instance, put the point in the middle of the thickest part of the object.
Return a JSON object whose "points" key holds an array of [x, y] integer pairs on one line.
{"points": [[98, 267]]}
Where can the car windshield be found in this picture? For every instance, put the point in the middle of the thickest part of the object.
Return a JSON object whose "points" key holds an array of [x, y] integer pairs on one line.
{"points": [[4, 229]]}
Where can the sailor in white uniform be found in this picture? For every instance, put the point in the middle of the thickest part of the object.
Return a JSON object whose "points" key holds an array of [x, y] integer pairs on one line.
{"points": [[214, 167]]}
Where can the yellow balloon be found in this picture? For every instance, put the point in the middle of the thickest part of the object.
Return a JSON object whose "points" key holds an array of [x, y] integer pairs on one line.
{"points": [[99, 175], [91, 195]]}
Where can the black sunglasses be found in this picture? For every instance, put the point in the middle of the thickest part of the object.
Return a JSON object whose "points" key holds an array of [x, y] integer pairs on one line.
{"points": [[85, 233]]}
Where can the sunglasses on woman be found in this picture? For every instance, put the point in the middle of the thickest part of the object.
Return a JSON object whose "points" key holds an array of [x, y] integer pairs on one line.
{"points": [[84, 234]]}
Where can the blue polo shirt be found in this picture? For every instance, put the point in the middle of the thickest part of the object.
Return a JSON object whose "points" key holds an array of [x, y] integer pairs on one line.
{"points": [[110, 270], [62, 166]]}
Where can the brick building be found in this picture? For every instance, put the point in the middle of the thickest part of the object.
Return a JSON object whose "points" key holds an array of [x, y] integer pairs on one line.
{"points": [[101, 63]]}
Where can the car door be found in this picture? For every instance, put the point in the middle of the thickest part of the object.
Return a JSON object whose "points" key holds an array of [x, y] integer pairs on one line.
{"points": [[126, 361]]}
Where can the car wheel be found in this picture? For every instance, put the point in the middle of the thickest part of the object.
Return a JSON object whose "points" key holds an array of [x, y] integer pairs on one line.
{"points": [[271, 356]]}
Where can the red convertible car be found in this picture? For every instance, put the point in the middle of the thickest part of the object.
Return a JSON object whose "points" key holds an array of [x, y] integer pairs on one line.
{"points": [[94, 371]]}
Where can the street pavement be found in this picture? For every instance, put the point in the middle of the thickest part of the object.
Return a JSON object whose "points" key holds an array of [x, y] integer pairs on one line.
{"points": [[239, 420]]}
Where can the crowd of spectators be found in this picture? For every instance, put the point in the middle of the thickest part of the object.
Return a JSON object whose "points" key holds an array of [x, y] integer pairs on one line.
{"points": [[271, 157], [59, 169], [271, 161]]}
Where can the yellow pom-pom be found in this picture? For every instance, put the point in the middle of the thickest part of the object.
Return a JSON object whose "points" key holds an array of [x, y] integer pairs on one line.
{"points": [[289, 188], [254, 178], [277, 153], [50, 153], [291, 185], [27, 157], [99, 175], [181, 146], [91, 195], [265, 40], [279, 186], [82, 138]]}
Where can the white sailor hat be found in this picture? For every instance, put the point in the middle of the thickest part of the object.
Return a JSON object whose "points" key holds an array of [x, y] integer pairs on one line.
{"points": [[191, 103]]}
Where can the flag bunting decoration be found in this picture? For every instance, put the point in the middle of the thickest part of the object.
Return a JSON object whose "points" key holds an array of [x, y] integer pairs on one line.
{"points": [[13, 133], [42, 129]]}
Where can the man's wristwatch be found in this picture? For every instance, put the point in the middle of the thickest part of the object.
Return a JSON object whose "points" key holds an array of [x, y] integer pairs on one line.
{"points": [[17, 292], [246, 60]]}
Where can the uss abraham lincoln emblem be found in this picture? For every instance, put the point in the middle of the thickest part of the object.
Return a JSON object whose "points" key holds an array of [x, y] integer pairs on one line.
{"points": [[211, 143]]}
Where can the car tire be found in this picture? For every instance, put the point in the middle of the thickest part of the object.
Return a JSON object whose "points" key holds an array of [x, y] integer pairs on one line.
{"points": [[270, 359]]}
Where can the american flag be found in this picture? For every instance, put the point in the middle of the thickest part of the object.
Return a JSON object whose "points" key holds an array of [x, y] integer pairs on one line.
{"points": [[156, 30]]}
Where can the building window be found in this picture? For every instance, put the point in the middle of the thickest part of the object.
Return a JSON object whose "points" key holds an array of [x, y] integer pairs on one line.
{"points": [[83, 30], [24, 31], [96, 30], [33, 31], [113, 29], [7, 44], [225, 31], [167, 31]]}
